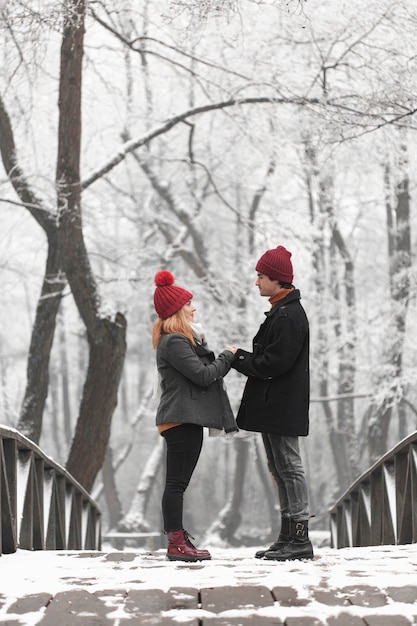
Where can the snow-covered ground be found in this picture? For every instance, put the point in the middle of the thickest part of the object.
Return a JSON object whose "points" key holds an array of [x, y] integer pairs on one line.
{"points": [[392, 569]]}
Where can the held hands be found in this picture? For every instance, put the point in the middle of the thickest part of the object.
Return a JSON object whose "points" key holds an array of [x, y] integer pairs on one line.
{"points": [[231, 349]]}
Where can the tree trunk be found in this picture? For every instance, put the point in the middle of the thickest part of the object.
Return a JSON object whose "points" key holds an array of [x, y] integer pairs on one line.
{"points": [[124, 454], [320, 211], [65, 386], [229, 518], [54, 403], [346, 377], [43, 331], [107, 352], [399, 248], [30, 420], [106, 337], [113, 503], [135, 518]]}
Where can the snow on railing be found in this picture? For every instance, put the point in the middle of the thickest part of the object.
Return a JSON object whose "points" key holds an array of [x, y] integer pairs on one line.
{"points": [[42, 507], [381, 506]]}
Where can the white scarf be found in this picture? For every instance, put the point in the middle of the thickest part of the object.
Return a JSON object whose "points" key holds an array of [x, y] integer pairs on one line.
{"points": [[198, 332]]}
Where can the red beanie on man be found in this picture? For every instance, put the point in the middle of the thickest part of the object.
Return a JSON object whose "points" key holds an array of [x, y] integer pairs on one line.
{"points": [[168, 298], [276, 264]]}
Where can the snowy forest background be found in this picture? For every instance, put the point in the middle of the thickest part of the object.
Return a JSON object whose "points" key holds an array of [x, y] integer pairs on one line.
{"points": [[192, 136]]}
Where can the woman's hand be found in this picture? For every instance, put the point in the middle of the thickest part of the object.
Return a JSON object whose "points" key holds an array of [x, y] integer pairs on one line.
{"points": [[231, 349]]}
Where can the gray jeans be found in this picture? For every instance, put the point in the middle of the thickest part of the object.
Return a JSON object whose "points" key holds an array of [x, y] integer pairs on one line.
{"points": [[285, 464]]}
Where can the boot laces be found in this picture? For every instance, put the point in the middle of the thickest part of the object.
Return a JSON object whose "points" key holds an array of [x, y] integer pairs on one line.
{"points": [[188, 536]]}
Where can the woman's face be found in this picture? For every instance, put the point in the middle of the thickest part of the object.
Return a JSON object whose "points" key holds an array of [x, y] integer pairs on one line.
{"points": [[189, 310]]}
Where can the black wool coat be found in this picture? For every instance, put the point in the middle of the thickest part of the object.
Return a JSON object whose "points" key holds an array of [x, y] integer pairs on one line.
{"points": [[277, 392], [192, 388]]}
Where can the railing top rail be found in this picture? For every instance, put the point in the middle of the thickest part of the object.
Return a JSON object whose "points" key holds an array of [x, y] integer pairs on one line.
{"points": [[23, 442], [404, 443]]}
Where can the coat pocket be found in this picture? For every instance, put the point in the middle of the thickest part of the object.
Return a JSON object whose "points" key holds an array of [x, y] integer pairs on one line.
{"points": [[198, 393]]}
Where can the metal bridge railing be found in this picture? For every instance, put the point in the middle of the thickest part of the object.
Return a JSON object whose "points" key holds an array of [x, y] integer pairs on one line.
{"points": [[42, 506], [381, 506]]}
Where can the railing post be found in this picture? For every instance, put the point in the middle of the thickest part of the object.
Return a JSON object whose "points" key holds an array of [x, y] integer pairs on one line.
{"points": [[413, 488], [381, 505], [42, 505], [8, 495]]}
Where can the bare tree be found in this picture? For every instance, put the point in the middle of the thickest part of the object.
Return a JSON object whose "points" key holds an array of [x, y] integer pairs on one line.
{"points": [[68, 262], [186, 162], [390, 388]]}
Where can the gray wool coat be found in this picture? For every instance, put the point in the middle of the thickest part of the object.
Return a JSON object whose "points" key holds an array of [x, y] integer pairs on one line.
{"points": [[192, 388]]}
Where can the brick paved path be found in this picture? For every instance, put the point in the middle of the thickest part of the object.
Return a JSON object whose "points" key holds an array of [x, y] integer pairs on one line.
{"points": [[350, 587]]}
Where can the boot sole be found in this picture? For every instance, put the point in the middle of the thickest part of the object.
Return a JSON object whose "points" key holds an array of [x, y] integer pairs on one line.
{"points": [[261, 553], [187, 558], [281, 558]]}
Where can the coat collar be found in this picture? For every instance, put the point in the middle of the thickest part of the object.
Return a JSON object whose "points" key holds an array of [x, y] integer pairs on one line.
{"points": [[291, 297]]}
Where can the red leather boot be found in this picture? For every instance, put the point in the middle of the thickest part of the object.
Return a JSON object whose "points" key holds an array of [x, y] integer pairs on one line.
{"points": [[180, 548]]}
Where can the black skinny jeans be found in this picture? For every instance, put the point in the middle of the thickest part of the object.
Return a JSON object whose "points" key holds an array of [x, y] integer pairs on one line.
{"points": [[184, 444]]}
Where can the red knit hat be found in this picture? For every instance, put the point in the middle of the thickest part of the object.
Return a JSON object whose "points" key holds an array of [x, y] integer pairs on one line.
{"points": [[276, 264], [168, 299]]}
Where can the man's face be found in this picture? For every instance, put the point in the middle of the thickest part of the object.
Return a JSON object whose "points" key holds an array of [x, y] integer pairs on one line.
{"points": [[266, 286]]}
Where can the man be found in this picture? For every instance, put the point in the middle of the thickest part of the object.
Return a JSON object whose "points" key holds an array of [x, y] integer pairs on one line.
{"points": [[275, 400]]}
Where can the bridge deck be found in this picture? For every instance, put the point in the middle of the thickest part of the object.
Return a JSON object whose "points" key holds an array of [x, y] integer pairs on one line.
{"points": [[374, 586]]}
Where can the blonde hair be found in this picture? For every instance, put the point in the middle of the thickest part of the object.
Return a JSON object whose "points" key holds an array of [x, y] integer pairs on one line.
{"points": [[176, 323]]}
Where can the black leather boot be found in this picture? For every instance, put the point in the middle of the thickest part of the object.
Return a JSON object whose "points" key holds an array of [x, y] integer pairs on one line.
{"points": [[299, 546], [283, 538]]}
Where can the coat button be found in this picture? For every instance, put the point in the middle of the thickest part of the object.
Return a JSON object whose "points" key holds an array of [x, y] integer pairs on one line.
{"points": [[241, 357]]}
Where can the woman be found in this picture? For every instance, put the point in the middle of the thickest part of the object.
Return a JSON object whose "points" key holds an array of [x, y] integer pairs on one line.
{"points": [[192, 396]]}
